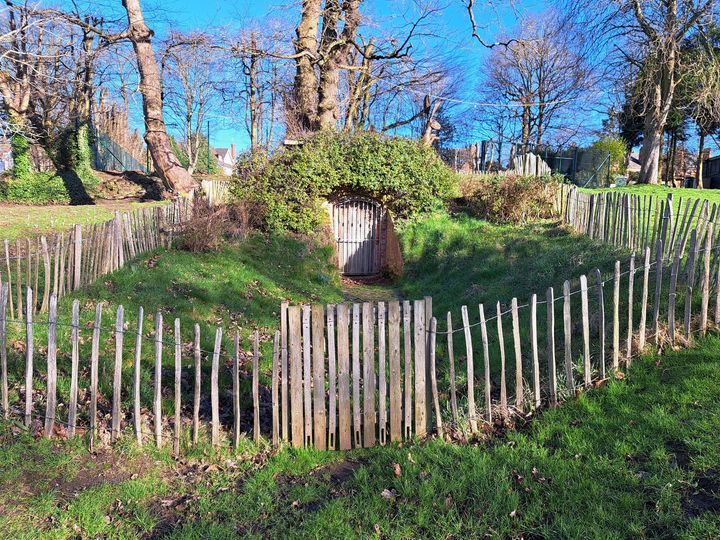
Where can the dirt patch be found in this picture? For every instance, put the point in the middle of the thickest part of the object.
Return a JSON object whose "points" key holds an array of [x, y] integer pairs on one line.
{"points": [[680, 455], [105, 467], [128, 185], [705, 495]]}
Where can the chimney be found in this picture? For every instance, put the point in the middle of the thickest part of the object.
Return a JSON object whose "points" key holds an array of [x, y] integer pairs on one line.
{"points": [[232, 151]]}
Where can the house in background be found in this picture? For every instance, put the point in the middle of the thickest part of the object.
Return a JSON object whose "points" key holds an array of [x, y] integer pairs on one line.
{"points": [[226, 159]]}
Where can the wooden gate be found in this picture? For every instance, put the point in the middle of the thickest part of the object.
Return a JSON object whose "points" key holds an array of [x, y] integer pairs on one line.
{"points": [[359, 226]]}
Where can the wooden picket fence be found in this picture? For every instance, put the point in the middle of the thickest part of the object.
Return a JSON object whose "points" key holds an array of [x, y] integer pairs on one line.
{"points": [[216, 191], [66, 261], [355, 375]]}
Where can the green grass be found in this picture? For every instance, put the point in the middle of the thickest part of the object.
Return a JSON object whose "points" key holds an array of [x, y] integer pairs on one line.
{"points": [[637, 458], [20, 221], [239, 288]]}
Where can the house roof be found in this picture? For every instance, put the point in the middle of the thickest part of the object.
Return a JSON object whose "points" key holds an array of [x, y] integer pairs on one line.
{"points": [[222, 153]]}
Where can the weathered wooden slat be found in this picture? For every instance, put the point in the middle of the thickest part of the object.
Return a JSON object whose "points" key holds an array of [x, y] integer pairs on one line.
{"points": [[275, 389], [368, 332], [587, 364], [357, 418], [4, 396], [9, 280], [552, 373], [318, 374], [178, 379], [256, 388], [433, 378], [706, 279], [427, 302], [214, 390], [332, 378], [46, 264], [470, 370], [117, 372], [631, 301], [616, 318], [642, 332], [284, 374], [534, 348], [519, 383], [197, 384], [503, 377], [307, 375], [567, 334], [420, 372], [343, 356], [451, 361], [690, 282], [236, 391], [407, 381], [382, 375], [486, 365], [29, 353], [672, 295], [659, 264], [94, 356], [395, 373], [51, 394], [296, 388], [74, 367], [137, 420], [157, 401]]}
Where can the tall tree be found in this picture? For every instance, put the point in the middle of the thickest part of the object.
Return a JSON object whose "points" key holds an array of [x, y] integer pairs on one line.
{"points": [[166, 162]]}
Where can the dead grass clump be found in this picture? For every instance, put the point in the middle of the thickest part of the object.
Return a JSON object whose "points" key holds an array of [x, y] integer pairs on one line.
{"points": [[210, 225], [509, 198]]}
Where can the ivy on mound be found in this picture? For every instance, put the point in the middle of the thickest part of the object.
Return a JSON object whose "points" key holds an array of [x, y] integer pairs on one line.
{"points": [[404, 175]]}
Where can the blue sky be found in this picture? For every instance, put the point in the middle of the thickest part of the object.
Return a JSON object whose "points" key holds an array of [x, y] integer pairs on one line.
{"points": [[453, 33]]}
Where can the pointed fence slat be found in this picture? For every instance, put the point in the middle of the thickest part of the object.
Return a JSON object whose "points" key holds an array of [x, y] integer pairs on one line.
{"points": [[332, 378], [74, 367], [396, 414], [137, 420], [51, 394]]}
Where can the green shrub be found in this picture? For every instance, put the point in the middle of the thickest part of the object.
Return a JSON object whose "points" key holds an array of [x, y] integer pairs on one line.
{"points": [[616, 147], [35, 188], [407, 177], [22, 166], [509, 198]]}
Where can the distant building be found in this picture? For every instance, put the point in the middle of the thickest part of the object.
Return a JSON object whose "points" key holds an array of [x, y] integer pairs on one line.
{"points": [[711, 171], [6, 160], [226, 159]]}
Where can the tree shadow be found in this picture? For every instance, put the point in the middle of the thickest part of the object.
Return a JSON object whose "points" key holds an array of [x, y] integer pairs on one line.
{"points": [[75, 188]]}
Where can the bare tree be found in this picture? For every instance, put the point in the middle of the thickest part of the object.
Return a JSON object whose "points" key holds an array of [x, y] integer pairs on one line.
{"points": [[190, 68], [542, 73]]}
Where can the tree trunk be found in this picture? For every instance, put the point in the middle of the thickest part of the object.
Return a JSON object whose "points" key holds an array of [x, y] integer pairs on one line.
{"points": [[305, 87], [699, 162], [650, 151], [166, 163], [335, 49]]}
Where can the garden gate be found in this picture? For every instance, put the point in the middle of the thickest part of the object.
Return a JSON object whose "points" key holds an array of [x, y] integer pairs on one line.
{"points": [[359, 225]]}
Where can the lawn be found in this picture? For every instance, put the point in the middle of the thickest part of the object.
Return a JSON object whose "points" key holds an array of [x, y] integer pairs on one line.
{"points": [[20, 221], [633, 458], [638, 457]]}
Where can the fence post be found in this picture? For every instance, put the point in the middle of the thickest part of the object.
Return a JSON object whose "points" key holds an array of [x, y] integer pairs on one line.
{"points": [[643, 309], [117, 373], [157, 406], [51, 397], [197, 386], [4, 292], [214, 391], [616, 318], [29, 352], [136, 376], [470, 369], [94, 357], [75, 358], [178, 376], [631, 286], [503, 381], [552, 375], [486, 366], [433, 378], [534, 344]]}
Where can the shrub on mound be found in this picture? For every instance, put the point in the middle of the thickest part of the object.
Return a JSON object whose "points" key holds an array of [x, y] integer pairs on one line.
{"points": [[407, 177], [34, 188], [509, 198]]}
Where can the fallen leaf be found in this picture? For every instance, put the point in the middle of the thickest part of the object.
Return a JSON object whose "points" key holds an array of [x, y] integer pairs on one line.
{"points": [[619, 375], [388, 494], [396, 469], [410, 458]]}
